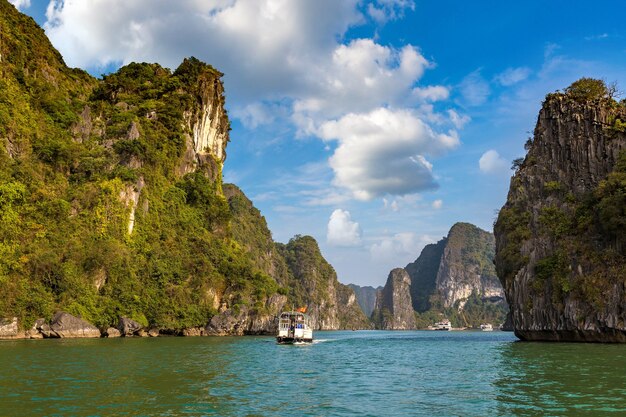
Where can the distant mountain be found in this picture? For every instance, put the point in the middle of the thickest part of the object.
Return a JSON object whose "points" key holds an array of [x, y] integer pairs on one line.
{"points": [[313, 283], [454, 278], [366, 296], [394, 309]]}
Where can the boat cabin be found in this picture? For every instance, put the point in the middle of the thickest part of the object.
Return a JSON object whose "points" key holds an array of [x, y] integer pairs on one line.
{"points": [[294, 327]]}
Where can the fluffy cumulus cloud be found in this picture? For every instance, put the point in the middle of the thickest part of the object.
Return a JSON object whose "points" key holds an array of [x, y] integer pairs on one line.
{"points": [[259, 44], [383, 152], [342, 231], [400, 247], [284, 61], [492, 163], [20, 4]]}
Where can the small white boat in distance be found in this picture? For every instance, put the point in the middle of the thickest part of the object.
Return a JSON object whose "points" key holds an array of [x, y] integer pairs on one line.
{"points": [[294, 327], [486, 327], [443, 325]]}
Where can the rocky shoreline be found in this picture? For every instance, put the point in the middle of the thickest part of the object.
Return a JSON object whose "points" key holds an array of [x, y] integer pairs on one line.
{"points": [[64, 325]]}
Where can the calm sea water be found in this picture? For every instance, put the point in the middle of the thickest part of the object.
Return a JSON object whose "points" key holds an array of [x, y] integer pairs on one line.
{"points": [[363, 373]]}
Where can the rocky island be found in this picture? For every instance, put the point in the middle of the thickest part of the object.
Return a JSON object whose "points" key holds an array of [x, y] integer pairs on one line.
{"points": [[454, 277], [113, 214], [560, 251]]}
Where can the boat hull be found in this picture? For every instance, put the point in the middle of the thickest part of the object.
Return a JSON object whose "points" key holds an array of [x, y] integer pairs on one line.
{"points": [[281, 340]]}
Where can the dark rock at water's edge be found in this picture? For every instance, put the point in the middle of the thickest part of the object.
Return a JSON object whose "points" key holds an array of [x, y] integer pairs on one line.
{"points": [[561, 235], [129, 327], [507, 326]]}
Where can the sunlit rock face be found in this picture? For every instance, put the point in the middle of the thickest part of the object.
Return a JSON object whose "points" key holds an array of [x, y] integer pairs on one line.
{"points": [[466, 266], [394, 308]]}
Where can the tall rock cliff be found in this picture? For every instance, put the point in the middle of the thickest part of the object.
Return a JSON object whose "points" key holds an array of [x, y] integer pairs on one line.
{"points": [[366, 297], [394, 308], [454, 278], [313, 284], [560, 235], [112, 203], [423, 273], [467, 267]]}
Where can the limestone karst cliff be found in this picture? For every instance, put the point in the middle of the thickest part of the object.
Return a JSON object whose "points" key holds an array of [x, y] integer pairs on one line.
{"points": [[313, 283], [454, 278], [560, 235], [305, 277], [394, 308], [112, 203], [467, 267], [366, 297]]}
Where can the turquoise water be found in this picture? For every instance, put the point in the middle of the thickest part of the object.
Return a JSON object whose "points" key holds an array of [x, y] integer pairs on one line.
{"points": [[363, 373]]}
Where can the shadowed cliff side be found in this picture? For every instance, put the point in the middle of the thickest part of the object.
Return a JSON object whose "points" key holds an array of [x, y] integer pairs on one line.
{"points": [[560, 236]]}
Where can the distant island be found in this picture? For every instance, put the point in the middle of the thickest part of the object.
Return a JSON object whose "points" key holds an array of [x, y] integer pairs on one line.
{"points": [[452, 279]]}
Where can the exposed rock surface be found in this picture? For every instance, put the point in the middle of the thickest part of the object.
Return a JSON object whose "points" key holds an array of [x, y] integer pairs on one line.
{"points": [[9, 328], [65, 325], [129, 327], [423, 273], [467, 267], [445, 277], [366, 297], [313, 284], [112, 332], [394, 308], [560, 247]]}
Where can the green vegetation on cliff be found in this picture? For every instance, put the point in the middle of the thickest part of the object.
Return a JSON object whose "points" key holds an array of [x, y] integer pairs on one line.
{"points": [[106, 208], [561, 251]]}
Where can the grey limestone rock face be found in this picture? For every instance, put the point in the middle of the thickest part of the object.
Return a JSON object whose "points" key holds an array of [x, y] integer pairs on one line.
{"points": [[129, 327], [576, 297], [65, 325], [394, 307]]}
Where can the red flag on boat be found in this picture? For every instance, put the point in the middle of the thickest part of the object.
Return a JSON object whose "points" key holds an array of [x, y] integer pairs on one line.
{"points": [[301, 310]]}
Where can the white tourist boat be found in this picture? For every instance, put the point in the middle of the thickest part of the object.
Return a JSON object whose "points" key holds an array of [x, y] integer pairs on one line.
{"points": [[486, 327], [294, 327], [443, 325]]}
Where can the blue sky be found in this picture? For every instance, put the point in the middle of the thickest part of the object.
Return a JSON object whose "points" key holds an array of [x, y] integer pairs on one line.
{"points": [[371, 125]]}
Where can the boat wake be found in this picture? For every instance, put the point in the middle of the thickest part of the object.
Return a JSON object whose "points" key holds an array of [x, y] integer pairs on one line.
{"points": [[316, 341]]}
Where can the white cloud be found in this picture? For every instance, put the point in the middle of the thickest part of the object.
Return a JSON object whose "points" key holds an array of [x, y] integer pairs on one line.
{"points": [[399, 247], [342, 231], [458, 120], [474, 89], [284, 60], [492, 163], [383, 11], [437, 204], [361, 76], [382, 152], [258, 44], [20, 4], [431, 93], [512, 76]]}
